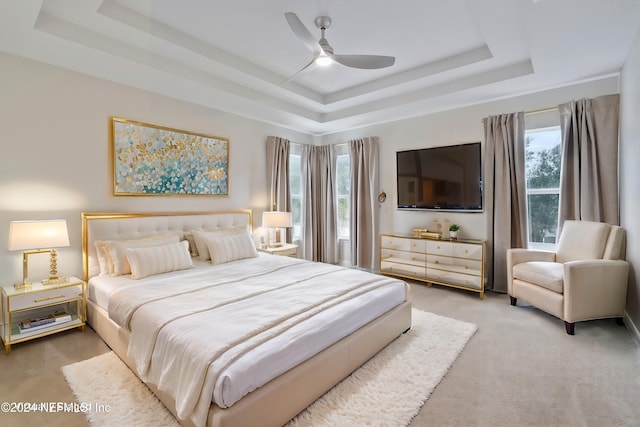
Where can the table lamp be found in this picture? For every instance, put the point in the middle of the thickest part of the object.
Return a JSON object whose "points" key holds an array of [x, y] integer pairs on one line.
{"points": [[34, 236], [276, 220]]}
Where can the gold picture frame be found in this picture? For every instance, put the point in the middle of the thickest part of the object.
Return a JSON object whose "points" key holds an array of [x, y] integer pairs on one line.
{"points": [[151, 160]]}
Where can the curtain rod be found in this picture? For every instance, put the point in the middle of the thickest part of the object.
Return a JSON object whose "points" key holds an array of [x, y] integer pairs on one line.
{"points": [[540, 110]]}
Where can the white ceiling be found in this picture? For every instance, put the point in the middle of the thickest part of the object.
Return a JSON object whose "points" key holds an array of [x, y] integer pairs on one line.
{"points": [[234, 55]]}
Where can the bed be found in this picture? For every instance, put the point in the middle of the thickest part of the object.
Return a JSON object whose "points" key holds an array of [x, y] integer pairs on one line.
{"points": [[166, 319]]}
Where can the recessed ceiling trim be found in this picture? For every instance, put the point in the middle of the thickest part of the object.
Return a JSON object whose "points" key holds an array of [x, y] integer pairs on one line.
{"points": [[468, 57], [58, 27], [116, 11], [481, 79]]}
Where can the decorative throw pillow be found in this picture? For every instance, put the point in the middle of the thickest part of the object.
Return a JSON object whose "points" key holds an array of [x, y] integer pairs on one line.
{"points": [[148, 261], [201, 236], [193, 249], [116, 250], [224, 249], [103, 256]]}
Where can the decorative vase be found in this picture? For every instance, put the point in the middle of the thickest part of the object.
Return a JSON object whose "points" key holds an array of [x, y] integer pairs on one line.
{"points": [[453, 234]]}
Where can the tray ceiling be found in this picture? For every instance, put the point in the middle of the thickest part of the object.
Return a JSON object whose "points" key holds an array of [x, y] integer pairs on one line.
{"points": [[236, 56]]}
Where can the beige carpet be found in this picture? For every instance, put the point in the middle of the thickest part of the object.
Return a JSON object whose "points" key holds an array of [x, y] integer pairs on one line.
{"points": [[388, 390]]}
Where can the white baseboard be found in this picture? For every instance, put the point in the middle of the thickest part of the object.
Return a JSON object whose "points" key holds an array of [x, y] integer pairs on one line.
{"points": [[631, 327]]}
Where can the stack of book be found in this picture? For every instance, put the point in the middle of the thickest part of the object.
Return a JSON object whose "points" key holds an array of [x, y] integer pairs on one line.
{"points": [[45, 321]]}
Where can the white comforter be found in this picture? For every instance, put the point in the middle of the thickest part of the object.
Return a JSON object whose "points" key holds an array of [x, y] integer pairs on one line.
{"points": [[189, 336]]}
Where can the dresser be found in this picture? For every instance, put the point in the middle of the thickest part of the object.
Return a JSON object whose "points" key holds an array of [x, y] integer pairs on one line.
{"points": [[454, 263]]}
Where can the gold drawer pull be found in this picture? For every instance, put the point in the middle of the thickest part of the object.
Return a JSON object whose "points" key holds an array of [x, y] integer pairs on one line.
{"points": [[438, 247], [48, 298], [437, 262], [466, 251]]}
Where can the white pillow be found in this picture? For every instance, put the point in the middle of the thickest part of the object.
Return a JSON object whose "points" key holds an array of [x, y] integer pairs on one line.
{"points": [[116, 251], [230, 248], [103, 256], [152, 260], [201, 236]]}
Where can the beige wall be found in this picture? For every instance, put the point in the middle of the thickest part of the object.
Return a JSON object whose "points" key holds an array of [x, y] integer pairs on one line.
{"points": [[452, 127], [55, 152], [630, 173]]}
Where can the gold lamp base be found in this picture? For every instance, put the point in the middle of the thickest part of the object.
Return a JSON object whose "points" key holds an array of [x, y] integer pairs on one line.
{"points": [[53, 270], [55, 281]]}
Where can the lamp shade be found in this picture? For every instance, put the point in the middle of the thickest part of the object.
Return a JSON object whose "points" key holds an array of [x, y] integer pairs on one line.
{"points": [[38, 234], [276, 219]]}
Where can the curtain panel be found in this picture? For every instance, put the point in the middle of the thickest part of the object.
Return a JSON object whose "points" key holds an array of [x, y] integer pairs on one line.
{"points": [[278, 176], [589, 170], [319, 217], [505, 193], [363, 160]]}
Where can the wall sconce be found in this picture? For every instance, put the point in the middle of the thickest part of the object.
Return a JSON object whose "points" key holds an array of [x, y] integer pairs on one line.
{"points": [[276, 220], [36, 235]]}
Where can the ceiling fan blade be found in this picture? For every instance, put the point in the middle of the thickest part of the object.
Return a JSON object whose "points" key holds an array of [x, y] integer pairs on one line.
{"points": [[303, 70], [301, 31], [369, 62]]}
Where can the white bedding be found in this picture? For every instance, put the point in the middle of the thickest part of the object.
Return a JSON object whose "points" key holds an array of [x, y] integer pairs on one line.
{"points": [[174, 330]]}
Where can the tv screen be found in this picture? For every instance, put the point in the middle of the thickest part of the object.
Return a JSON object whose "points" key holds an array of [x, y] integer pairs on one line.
{"points": [[442, 178]]}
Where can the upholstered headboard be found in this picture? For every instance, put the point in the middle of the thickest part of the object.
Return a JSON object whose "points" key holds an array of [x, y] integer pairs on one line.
{"points": [[123, 226]]}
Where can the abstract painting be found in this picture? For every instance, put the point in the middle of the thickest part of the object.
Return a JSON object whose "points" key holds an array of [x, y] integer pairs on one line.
{"points": [[152, 160]]}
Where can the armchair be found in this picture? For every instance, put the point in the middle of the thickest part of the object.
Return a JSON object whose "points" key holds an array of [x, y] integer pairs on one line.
{"points": [[586, 278]]}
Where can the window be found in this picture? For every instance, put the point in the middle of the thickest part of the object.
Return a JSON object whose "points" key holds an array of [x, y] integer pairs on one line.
{"points": [[295, 187], [542, 171], [343, 183]]}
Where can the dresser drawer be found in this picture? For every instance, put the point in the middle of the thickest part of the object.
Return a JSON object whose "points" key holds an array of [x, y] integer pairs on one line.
{"points": [[455, 265], [467, 250], [457, 279], [403, 256], [440, 248], [402, 269], [417, 245], [48, 297], [389, 242]]}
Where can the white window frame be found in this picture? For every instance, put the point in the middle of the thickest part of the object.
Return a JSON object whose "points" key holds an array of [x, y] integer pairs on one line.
{"points": [[295, 150], [540, 191], [342, 150]]}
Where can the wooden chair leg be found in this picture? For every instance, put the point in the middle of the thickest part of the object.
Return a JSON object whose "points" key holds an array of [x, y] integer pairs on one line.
{"points": [[514, 300], [570, 327]]}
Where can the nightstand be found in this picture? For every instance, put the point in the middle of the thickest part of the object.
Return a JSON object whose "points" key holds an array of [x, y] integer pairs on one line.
{"points": [[287, 249], [39, 302]]}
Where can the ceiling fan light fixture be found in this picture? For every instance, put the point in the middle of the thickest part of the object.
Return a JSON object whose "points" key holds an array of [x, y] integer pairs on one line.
{"points": [[323, 60]]}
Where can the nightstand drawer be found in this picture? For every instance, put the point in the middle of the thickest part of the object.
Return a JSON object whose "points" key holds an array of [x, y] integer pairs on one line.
{"points": [[43, 298]]}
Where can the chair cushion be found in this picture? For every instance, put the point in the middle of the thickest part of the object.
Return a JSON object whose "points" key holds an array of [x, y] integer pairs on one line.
{"points": [[545, 274], [582, 240]]}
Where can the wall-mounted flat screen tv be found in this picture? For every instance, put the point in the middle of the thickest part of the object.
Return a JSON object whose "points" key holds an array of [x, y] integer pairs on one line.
{"points": [[440, 178]]}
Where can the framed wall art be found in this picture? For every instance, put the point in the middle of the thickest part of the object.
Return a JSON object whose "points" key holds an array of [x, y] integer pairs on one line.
{"points": [[150, 160]]}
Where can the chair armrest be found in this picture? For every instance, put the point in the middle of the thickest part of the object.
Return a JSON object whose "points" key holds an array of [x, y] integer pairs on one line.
{"points": [[595, 289], [517, 256], [520, 255]]}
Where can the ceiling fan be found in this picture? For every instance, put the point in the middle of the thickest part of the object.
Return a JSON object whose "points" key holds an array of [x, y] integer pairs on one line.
{"points": [[323, 52]]}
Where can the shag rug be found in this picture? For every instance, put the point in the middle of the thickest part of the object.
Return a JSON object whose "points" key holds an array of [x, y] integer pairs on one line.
{"points": [[388, 390]]}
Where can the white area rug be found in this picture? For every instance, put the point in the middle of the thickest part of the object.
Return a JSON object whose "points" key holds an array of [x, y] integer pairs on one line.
{"points": [[388, 390]]}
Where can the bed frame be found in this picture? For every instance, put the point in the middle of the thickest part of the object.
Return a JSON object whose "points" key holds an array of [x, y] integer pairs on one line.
{"points": [[282, 398]]}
